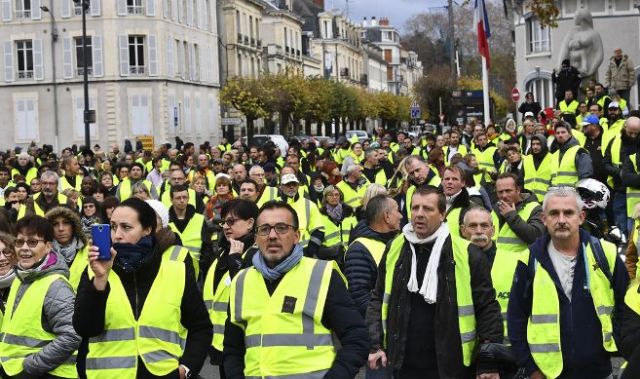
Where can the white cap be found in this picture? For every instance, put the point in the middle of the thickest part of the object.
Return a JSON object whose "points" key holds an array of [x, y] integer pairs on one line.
{"points": [[614, 104], [289, 178], [161, 211], [528, 114]]}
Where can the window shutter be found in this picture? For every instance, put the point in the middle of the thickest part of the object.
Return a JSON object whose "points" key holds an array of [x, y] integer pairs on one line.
{"points": [[165, 8], [122, 8], [189, 12], [200, 14], [151, 8], [6, 10], [9, 75], [205, 15], [123, 43], [192, 62], [78, 111], [20, 120], [36, 12], [67, 57], [38, 61], [204, 62], [65, 10], [170, 58], [181, 62], [32, 119], [153, 55], [95, 8], [96, 43]]}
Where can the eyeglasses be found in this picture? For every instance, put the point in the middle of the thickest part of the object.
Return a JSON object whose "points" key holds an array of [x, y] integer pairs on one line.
{"points": [[6, 253], [281, 228], [229, 222], [31, 242]]}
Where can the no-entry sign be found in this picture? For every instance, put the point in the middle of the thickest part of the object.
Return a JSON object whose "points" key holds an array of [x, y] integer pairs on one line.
{"points": [[515, 95]]}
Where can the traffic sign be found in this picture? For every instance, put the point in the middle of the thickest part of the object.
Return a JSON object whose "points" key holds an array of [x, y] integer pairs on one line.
{"points": [[415, 110], [515, 94], [231, 121]]}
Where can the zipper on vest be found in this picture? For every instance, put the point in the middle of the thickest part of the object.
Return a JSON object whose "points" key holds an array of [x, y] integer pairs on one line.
{"points": [[135, 288]]}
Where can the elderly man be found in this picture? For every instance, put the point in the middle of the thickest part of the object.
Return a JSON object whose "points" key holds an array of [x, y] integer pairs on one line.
{"points": [[566, 295], [25, 168], [239, 174], [265, 192], [478, 229], [37, 338], [311, 226], [283, 290], [47, 199], [353, 186], [620, 74], [433, 302], [364, 254]]}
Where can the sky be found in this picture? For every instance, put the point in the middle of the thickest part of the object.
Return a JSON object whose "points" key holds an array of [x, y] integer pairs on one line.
{"points": [[397, 11]]}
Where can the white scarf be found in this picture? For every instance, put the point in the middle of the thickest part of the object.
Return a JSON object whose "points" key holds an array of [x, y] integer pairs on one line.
{"points": [[429, 288]]}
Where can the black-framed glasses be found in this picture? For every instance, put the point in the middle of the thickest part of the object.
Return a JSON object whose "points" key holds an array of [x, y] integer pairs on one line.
{"points": [[281, 228], [229, 222], [31, 242]]}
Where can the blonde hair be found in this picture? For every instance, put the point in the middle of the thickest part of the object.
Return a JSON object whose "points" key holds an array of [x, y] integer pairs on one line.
{"points": [[373, 190]]}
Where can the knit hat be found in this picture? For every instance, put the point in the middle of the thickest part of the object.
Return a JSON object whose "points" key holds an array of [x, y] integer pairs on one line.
{"points": [[161, 211]]}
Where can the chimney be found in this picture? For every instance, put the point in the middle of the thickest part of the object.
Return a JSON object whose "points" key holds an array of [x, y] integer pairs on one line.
{"points": [[384, 21], [319, 3], [374, 22], [364, 22]]}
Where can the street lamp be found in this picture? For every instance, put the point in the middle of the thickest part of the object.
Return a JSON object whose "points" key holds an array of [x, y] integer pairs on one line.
{"points": [[54, 39], [89, 116]]}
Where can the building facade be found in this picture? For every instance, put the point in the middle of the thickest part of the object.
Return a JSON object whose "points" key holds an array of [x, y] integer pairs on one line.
{"points": [[540, 50], [152, 66]]}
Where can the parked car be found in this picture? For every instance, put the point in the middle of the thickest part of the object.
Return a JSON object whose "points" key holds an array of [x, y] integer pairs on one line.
{"points": [[361, 134], [277, 139]]}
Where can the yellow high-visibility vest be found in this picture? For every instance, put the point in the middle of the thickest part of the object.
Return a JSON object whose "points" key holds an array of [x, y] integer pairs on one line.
{"points": [[284, 334], [565, 171], [157, 336], [191, 238], [537, 180]]}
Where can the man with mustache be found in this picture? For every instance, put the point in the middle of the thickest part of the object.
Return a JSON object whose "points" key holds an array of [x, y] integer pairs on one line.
{"points": [[47, 199], [567, 294], [478, 228]]}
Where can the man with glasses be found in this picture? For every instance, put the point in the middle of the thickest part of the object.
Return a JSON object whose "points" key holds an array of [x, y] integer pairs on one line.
{"points": [[567, 294], [189, 225], [178, 178], [284, 310], [47, 199], [37, 335], [265, 192]]}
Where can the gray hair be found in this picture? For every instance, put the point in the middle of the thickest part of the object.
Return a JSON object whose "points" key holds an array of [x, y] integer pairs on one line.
{"points": [[49, 174], [351, 168], [140, 186], [377, 205], [254, 169], [562, 191], [476, 208]]}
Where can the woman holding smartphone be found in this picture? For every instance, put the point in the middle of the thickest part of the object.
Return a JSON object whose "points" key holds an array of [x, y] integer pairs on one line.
{"points": [[143, 315]]}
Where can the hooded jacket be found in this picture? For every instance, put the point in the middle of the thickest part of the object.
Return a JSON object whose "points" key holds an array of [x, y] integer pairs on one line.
{"points": [[71, 217], [360, 268], [57, 313], [89, 316], [538, 158]]}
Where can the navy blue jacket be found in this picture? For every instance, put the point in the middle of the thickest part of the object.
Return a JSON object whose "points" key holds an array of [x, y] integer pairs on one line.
{"points": [[360, 268], [583, 355]]}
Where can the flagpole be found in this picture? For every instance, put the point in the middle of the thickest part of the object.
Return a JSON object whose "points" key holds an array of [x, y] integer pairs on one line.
{"points": [[485, 91]]}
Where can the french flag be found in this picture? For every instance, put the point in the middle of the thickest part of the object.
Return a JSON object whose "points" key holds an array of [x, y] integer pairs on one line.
{"points": [[481, 21]]}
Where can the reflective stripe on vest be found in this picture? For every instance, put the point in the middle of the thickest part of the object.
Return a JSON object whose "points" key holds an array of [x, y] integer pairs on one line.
{"points": [[565, 171], [375, 248], [509, 249], [22, 333], [78, 266], [537, 180], [485, 161], [572, 107], [62, 200], [309, 219], [191, 238], [352, 197], [466, 315], [543, 329], [633, 194], [337, 234], [157, 337], [176, 253], [217, 303], [284, 335]]}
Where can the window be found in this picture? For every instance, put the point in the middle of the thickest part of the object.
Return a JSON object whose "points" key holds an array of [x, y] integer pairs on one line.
{"points": [[135, 7], [238, 24], [596, 6], [196, 63], [136, 55], [538, 37], [542, 89], [180, 58], [80, 56], [25, 59], [23, 9], [187, 60], [26, 119], [570, 7], [623, 5]]}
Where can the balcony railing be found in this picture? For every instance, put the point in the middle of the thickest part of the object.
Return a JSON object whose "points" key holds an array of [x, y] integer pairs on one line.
{"points": [[80, 71], [259, 44], [134, 9], [23, 14], [239, 38], [246, 40], [26, 74], [136, 70], [344, 72], [253, 41]]}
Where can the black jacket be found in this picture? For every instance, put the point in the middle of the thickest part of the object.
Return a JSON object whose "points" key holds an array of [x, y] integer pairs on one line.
{"points": [[628, 146], [89, 316], [360, 268], [447, 333], [339, 315], [206, 250], [533, 107], [628, 338], [596, 151]]}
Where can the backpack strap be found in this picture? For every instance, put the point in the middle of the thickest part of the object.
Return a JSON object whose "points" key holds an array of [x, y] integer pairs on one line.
{"points": [[601, 259]]}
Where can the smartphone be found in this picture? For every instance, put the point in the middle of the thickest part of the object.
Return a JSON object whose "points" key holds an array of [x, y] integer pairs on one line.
{"points": [[101, 236]]}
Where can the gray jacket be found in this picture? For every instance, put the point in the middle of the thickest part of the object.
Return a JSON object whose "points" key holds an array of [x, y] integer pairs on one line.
{"points": [[57, 314], [620, 77], [527, 230], [584, 165]]}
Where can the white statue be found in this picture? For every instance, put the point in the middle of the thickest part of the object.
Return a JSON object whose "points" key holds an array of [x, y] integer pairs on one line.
{"points": [[583, 45]]}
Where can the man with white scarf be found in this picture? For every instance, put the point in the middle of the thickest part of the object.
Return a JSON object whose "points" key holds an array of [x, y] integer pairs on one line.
{"points": [[433, 302]]}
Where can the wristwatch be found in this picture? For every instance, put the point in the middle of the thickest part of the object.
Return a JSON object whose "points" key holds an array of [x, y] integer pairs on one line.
{"points": [[187, 372]]}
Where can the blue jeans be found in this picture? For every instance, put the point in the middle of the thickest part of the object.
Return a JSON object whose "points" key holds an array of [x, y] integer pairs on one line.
{"points": [[620, 211]]}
